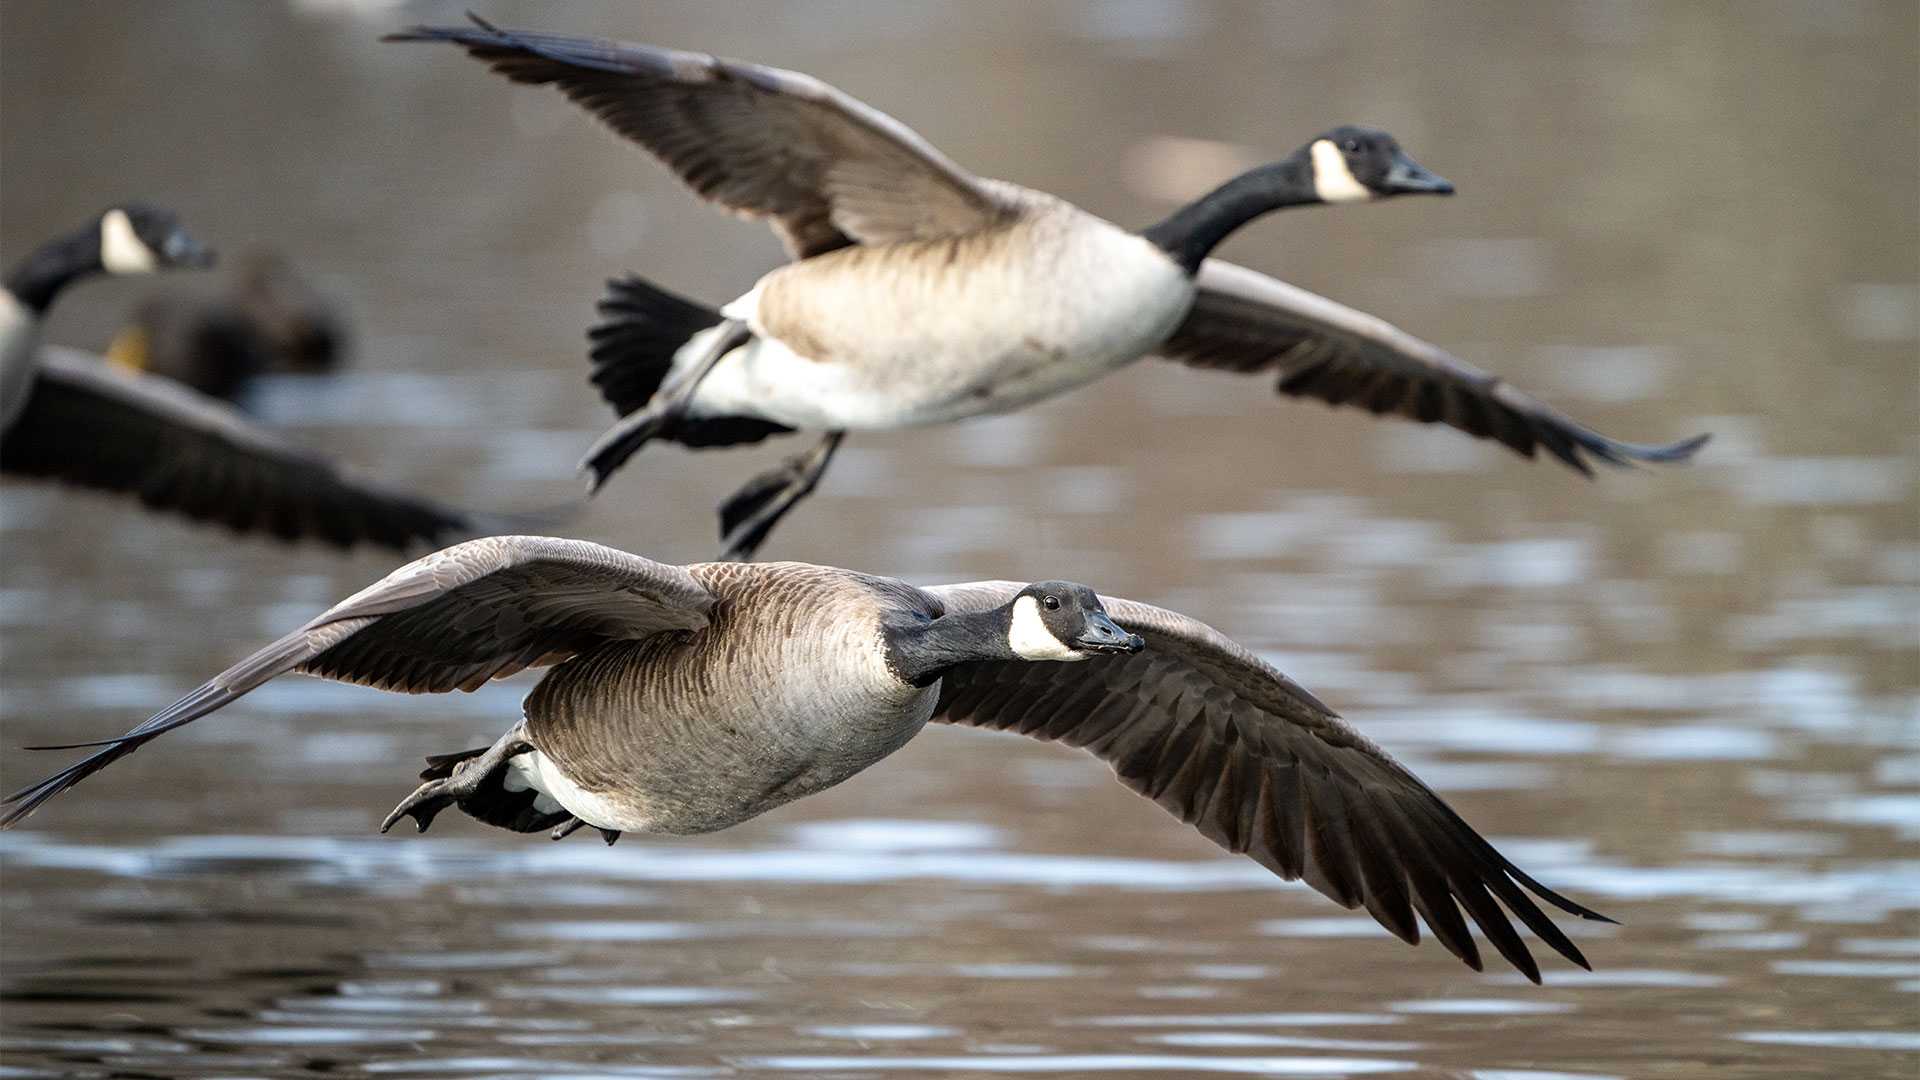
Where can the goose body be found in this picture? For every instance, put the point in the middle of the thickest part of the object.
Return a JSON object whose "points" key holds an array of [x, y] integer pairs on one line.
{"points": [[684, 699], [903, 335], [633, 736], [921, 293]]}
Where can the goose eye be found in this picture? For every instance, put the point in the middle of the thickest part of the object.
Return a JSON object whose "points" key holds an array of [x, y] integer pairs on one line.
{"points": [[1052, 602], [1353, 146]]}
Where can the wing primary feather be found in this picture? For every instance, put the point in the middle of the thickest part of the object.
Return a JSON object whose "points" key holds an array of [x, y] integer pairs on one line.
{"points": [[1387, 897]]}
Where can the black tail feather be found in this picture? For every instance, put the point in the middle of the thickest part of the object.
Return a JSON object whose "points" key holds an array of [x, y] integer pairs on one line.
{"points": [[632, 355], [633, 348]]}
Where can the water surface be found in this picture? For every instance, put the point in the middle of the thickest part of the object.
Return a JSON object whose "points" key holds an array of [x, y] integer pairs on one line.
{"points": [[1686, 697]]}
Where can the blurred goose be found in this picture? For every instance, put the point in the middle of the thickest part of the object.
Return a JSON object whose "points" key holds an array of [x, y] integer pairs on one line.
{"points": [[921, 293], [268, 319], [687, 699], [66, 416], [134, 238]]}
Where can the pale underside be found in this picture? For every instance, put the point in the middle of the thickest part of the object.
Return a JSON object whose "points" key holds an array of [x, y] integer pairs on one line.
{"points": [[19, 342], [923, 332]]}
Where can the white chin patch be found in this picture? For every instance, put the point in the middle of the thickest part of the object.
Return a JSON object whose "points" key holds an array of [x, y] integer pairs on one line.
{"points": [[121, 249], [1332, 180], [1030, 639]]}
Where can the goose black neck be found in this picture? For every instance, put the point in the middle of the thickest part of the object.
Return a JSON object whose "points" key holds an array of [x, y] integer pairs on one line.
{"points": [[57, 264], [921, 652], [1196, 229]]}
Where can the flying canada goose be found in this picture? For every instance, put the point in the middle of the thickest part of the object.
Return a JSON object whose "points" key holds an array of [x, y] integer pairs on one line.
{"points": [[687, 699], [266, 319], [921, 293], [66, 416]]}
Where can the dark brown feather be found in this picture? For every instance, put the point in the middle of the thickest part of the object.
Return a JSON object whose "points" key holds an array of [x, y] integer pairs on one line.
{"points": [[1247, 322], [1221, 740]]}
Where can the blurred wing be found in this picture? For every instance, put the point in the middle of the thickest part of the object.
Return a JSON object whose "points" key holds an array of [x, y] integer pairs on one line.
{"points": [[1246, 321], [1227, 744], [97, 426], [476, 611], [763, 142]]}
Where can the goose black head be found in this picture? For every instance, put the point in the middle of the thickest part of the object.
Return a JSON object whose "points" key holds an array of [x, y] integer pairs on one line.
{"points": [[1356, 164], [140, 238], [1059, 620]]}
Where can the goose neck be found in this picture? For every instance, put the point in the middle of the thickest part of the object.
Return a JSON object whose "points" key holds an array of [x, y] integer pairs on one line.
{"points": [[920, 651], [1194, 230], [38, 278]]}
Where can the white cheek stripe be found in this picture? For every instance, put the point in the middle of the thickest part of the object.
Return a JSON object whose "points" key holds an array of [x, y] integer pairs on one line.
{"points": [[1030, 639], [121, 249], [1332, 180]]}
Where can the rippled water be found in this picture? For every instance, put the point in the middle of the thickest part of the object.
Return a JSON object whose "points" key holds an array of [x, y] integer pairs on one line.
{"points": [[1690, 698]]}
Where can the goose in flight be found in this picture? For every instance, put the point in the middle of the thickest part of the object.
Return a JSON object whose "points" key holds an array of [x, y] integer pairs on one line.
{"points": [[67, 416], [686, 699], [921, 293]]}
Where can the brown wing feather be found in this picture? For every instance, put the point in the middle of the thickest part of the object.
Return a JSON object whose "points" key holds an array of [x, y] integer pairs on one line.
{"points": [[1248, 322], [763, 142], [450, 621], [93, 426], [1227, 744]]}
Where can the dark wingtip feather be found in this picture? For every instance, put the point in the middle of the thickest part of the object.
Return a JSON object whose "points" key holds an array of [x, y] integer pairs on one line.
{"points": [[1551, 897], [29, 799], [1624, 454], [416, 33], [459, 35], [78, 745], [1677, 451]]}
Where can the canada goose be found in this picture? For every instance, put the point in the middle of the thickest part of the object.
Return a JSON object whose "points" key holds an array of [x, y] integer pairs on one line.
{"points": [[266, 319], [69, 417], [922, 293], [687, 699]]}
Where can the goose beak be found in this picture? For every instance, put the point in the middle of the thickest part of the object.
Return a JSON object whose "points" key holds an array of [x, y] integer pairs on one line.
{"points": [[181, 249], [1407, 177], [1103, 636]]}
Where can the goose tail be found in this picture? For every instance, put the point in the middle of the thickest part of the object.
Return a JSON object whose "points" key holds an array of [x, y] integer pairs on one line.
{"points": [[642, 327]]}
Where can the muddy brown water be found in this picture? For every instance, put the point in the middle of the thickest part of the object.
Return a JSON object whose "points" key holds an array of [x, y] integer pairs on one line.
{"points": [[1686, 697]]}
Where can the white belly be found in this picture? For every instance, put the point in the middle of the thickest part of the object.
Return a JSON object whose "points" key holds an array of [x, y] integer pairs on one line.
{"points": [[536, 771], [19, 349], [909, 345]]}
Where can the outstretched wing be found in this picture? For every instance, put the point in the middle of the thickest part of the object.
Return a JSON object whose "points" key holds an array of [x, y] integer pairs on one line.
{"points": [[762, 142], [96, 426], [450, 621], [1245, 321], [1227, 744]]}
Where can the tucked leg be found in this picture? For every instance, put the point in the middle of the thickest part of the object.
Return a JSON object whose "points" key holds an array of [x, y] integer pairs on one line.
{"points": [[749, 516], [463, 779], [572, 825]]}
